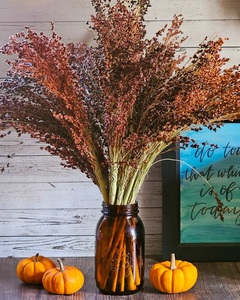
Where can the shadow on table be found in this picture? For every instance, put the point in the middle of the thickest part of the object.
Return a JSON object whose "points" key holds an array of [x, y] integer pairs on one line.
{"points": [[150, 289]]}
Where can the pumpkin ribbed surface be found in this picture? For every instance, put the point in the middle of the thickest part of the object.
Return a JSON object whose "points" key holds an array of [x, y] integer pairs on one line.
{"points": [[63, 280], [31, 270], [176, 280]]}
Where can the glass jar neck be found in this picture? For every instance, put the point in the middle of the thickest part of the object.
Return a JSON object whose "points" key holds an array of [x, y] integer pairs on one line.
{"points": [[124, 210]]}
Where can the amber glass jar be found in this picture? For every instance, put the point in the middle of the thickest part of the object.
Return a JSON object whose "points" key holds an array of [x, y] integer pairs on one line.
{"points": [[119, 250]]}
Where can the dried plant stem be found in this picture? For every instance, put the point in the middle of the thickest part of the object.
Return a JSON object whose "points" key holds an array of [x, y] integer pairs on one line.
{"points": [[123, 267], [101, 181], [118, 235], [118, 263], [113, 176], [123, 183], [143, 171], [129, 189]]}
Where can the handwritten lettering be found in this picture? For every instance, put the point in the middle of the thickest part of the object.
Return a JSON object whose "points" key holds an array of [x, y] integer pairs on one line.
{"points": [[228, 190], [201, 152], [202, 209], [204, 192], [231, 150], [230, 172], [220, 174], [191, 174]]}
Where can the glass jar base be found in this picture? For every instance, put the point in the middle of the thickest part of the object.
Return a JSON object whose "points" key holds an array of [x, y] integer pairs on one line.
{"points": [[118, 293]]}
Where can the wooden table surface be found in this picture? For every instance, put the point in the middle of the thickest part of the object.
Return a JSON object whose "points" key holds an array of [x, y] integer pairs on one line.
{"points": [[216, 281]]}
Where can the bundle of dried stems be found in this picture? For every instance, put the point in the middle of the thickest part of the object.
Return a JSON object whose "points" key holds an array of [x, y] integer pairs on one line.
{"points": [[110, 110]]}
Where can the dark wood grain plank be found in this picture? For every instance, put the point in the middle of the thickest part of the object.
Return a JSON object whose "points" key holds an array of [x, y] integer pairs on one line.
{"points": [[216, 281]]}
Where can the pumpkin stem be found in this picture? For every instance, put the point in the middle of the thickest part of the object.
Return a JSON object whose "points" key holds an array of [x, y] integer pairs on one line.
{"points": [[36, 257], [61, 265], [173, 266]]}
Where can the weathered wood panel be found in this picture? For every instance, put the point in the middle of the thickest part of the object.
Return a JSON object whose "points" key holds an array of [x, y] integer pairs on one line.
{"points": [[64, 209], [54, 246], [63, 246], [54, 222], [39, 195], [35, 168], [75, 10]]}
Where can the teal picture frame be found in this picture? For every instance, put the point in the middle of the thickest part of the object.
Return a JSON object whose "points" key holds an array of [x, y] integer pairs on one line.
{"points": [[192, 228]]}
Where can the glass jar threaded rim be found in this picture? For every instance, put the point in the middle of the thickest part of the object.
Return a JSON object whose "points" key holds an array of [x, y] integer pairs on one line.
{"points": [[125, 210]]}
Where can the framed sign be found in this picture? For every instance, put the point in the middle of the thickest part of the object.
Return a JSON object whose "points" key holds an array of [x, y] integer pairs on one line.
{"points": [[192, 228]]}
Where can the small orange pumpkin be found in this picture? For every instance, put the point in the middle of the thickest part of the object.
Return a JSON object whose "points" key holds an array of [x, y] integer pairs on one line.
{"points": [[173, 277], [31, 270], [63, 280]]}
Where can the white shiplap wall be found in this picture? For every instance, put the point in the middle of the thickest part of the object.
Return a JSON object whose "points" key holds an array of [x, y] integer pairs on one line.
{"points": [[46, 208]]}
